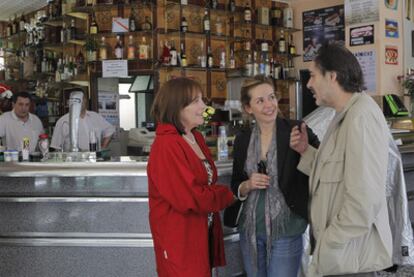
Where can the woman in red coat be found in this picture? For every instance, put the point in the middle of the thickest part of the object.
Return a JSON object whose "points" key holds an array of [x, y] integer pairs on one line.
{"points": [[184, 198]]}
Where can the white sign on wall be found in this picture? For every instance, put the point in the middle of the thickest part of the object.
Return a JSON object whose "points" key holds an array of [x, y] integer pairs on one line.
{"points": [[368, 63], [360, 11]]}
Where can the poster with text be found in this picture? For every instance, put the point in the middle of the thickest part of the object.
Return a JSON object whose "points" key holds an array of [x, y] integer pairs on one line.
{"points": [[368, 64], [361, 35], [320, 26], [361, 11], [391, 54], [108, 107], [391, 28]]}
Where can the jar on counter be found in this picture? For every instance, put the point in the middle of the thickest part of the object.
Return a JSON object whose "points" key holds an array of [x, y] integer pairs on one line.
{"points": [[44, 146]]}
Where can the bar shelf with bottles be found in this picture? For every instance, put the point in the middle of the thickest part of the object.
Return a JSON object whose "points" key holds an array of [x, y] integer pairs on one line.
{"points": [[105, 7]]}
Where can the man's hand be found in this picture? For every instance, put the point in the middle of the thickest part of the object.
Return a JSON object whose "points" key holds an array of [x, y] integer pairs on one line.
{"points": [[299, 139]]}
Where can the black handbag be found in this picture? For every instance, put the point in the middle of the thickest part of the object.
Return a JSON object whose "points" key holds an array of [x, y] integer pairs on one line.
{"points": [[232, 214]]}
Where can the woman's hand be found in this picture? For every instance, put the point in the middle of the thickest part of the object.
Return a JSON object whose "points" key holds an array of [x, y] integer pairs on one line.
{"points": [[256, 181]]}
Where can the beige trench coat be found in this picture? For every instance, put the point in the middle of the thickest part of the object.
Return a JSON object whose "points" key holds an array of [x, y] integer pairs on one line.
{"points": [[348, 207]]}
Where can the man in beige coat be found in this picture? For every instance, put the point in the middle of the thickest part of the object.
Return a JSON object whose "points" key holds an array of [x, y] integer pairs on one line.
{"points": [[347, 174]]}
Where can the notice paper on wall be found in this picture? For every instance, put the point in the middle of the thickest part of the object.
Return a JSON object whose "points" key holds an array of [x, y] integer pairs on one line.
{"points": [[108, 106], [361, 11], [367, 60], [114, 68]]}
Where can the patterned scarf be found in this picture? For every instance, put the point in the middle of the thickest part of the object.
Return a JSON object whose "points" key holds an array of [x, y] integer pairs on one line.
{"points": [[276, 210]]}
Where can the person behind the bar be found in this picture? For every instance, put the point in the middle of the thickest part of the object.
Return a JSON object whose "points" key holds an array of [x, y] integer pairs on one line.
{"points": [[348, 211], [20, 123], [184, 197], [274, 215], [89, 121]]}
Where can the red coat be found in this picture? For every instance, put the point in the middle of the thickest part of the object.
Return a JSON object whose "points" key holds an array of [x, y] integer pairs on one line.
{"points": [[180, 200]]}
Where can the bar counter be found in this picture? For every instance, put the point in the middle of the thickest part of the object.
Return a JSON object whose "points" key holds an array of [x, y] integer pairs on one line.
{"points": [[83, 219]]}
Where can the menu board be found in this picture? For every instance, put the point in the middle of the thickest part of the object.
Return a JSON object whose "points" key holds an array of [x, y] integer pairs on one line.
{"points": [[320, 26]]}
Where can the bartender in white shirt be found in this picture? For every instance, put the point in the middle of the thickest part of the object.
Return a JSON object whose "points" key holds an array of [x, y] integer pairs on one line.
{"points": [[89, 122], [20, 123]]}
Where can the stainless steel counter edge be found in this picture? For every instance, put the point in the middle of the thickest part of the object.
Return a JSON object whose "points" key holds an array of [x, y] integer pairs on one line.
{"points": [[75, 169]]}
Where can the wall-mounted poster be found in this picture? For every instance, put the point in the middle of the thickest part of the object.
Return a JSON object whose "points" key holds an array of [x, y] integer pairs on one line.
{"points": [[361, 11], [391, 54], [391, 28], [391, 4], [361, 35], [368, 65], [320, 26]]}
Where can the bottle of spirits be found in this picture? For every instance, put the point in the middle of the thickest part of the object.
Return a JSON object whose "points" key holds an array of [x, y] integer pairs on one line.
{"points": [[232, 63], [9, 28], [292, 48], [276, 16], [255, 64], [214, 4], [63, 37], [203, 57], [15, 25], [210, 60], [131, 48], [282, 43], [264, 46], [232, 5], [22, 23], [93, 27], [222, 147], [165, 57], [119, 49], [132, 21], [222, 58], [184, 2], [184, 25], [80, 62], [247, 42], [206, 22], [173, 55], [146, 26], [103, 49], [219, 26], [72, 30], [143, 49], [247, 14], [183, 56]]}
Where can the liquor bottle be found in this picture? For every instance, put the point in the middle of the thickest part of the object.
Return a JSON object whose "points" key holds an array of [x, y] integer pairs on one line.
{"points": [[247, 13], [9, 28], [232, 5], [93, 27], [51, 9], [132, 22], [206, 22], [80, 62], [276, 16], [90, 2], [184, 25], [255, 64], [267, 66], [292, 48], [222, 58], [103, 49], [184, 2], [119, 49], [15, 25], [146, 26], [203, 57], [222, 147], [165, 57], [183, 57], [173, 55], [282, 43], [247, 42], [214, 4], [131, 48], [72, 30], [22, 23], [219, 26], [62, 33], [143, 49], [262, 63], [232, 63], [210, 60], [264, 46]]}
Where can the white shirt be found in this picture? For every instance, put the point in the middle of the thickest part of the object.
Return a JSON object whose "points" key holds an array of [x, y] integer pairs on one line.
{"points": [[91, 121], [13, 129]]}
